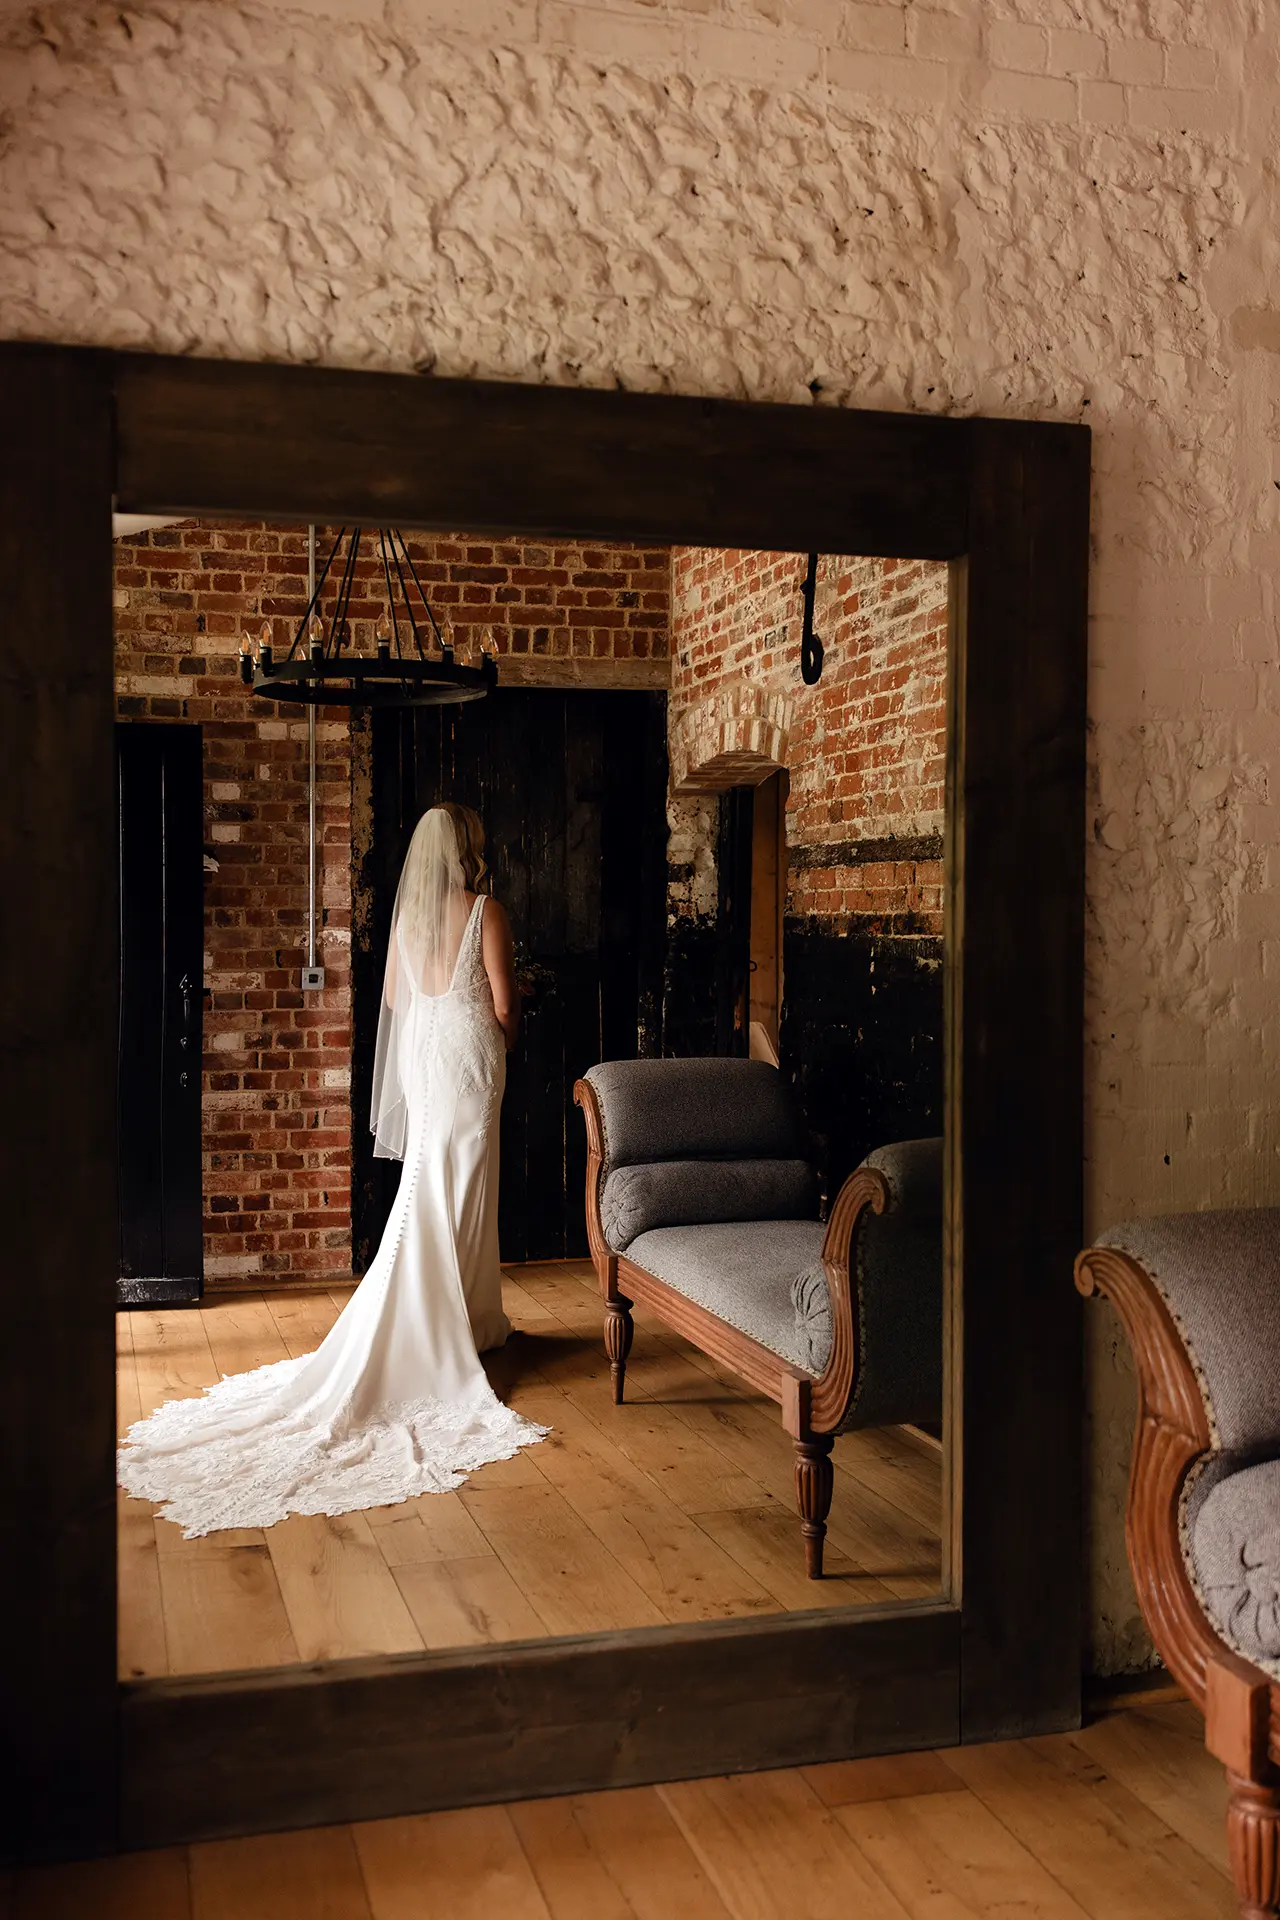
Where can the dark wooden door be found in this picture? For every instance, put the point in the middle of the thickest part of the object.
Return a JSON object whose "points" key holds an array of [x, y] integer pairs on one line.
{"points": [[571, 786], [161, 832]]}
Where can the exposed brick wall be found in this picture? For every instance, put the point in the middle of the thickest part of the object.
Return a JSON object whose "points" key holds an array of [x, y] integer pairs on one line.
{"points": [[277, 1112], [277, 1116], [865, 748]]}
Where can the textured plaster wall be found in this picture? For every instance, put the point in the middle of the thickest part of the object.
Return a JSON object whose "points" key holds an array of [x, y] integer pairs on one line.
{"points": [[1059, 208]]}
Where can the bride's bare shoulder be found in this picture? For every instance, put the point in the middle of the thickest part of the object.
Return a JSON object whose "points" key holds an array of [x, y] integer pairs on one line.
{"points": [[495, 916]]}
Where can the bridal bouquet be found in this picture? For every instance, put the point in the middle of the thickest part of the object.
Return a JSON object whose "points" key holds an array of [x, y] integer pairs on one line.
{"points": [[534, 981]]}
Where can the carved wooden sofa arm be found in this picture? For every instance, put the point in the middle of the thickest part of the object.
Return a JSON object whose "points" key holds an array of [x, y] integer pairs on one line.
{"points": [[699, 1204], [1199, 1298]]}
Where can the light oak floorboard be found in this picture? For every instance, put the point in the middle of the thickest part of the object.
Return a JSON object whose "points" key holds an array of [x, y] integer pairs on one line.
{"points": [[223, 1610], [770, 1847], [338, 1591], [895, 1776], [171, 1354], [467, 1603], [573, 1879], [1098, 1840], [686, 1574], [572, 1581], [646, 1856], [467, 1865], [1163, 1761], [242, 1333], [302, 1319], [142, 1649], [946, 1857], [279, 1876], [766, 1541], [434, 1526]]}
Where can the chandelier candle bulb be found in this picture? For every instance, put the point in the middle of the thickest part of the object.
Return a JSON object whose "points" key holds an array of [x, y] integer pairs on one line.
{"points": [[384, 636], [264, 647]]}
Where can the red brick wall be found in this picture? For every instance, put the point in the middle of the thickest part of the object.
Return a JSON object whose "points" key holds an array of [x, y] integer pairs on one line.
{"points": [[866, 746], [277, 1116], [277, 1062]]}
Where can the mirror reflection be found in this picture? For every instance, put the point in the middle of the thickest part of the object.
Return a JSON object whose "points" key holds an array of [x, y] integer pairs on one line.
{"points": [[550, 933]]}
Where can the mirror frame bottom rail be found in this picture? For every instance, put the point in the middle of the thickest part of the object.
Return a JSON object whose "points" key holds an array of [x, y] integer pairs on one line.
{"points": [[203, 1757]]}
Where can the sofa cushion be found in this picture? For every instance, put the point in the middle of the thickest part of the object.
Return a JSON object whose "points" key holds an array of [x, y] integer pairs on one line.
{"points": [[1235, 1554], [688, 1193], [742, 1273], [710, 1109]]}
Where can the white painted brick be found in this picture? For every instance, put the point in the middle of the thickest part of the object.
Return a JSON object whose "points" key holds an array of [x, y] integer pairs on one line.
{"points": [[1235, 596], [1011, 44], [1174, 594], [337, 1076], [273, 729], [620, 37], [1031, 96], [1103, 103], [224, 790], [945, 36], [1256, 640], [1177, 110], [873, 29], [884, 77], [1138, 63], [224, 830], [1233, 690], [224, 1266], [1190, 67], [1079, 55], [769, 59], [367, 10]]}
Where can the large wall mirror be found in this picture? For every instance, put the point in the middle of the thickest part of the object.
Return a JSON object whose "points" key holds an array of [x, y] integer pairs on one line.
{"points": [[779, 767]]}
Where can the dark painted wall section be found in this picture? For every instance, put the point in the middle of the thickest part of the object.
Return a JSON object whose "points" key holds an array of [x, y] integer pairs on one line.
{"points": [[862, 1038]]}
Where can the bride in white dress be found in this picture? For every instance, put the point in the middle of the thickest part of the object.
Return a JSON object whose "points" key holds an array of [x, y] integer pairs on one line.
{"points": [[394, 1402]]}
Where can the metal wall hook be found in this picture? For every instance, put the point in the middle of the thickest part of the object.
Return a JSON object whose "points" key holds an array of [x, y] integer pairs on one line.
{"points": [[811, 647]]}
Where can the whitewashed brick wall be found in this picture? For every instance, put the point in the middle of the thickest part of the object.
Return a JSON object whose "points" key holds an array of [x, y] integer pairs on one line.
{"points": [[1039, 208]]}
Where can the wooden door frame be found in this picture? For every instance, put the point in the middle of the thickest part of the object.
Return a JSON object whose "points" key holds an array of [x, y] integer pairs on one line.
{"points": [[95, 1764]]}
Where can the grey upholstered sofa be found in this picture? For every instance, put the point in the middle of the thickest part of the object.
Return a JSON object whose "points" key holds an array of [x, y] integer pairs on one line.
{"points": [[702, 1204], [1199, 1296]]}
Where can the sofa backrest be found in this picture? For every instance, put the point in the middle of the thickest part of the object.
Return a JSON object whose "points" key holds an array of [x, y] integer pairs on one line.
{"points": [[699, 1109]]}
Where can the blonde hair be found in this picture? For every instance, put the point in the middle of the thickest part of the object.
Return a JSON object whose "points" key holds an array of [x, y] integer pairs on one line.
{"points": [[470, 834]]}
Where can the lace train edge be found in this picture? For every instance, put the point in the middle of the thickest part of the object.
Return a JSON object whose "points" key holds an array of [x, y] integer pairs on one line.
{"points": [[208, 1481]]}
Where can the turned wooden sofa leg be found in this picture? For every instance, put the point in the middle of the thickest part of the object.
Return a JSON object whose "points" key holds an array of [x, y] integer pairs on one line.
{"points": [[618, 1331], [815, 1478], [1253, 1843]]}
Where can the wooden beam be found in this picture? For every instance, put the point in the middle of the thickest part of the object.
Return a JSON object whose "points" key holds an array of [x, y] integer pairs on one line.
{"points": [[362, 1739], [1015, 1118], [58, 1000], [305, 443]]}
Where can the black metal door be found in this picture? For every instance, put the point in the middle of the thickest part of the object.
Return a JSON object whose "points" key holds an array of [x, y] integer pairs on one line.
{"points": [[161, 832], [571, 787]]}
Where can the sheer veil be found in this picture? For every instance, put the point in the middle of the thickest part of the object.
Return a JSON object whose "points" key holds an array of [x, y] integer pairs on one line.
{"points": [[427, 924]]}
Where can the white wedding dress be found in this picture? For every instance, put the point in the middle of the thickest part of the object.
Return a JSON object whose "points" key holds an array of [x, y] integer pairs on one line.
{"points": [[394, 1402]]}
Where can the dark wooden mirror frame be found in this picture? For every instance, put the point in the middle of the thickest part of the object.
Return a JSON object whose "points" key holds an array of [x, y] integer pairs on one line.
{"points": [[94, 1764]]}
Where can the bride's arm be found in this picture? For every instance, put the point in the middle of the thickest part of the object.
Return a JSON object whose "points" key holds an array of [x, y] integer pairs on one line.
{"points": [[500, 965]]}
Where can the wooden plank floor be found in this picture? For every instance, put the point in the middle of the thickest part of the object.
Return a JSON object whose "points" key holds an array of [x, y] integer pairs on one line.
{"points": [[678, 1506], [1123, 1821]]}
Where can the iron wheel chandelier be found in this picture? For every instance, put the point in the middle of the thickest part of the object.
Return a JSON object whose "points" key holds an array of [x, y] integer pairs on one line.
{"points": [[322, 667]]}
